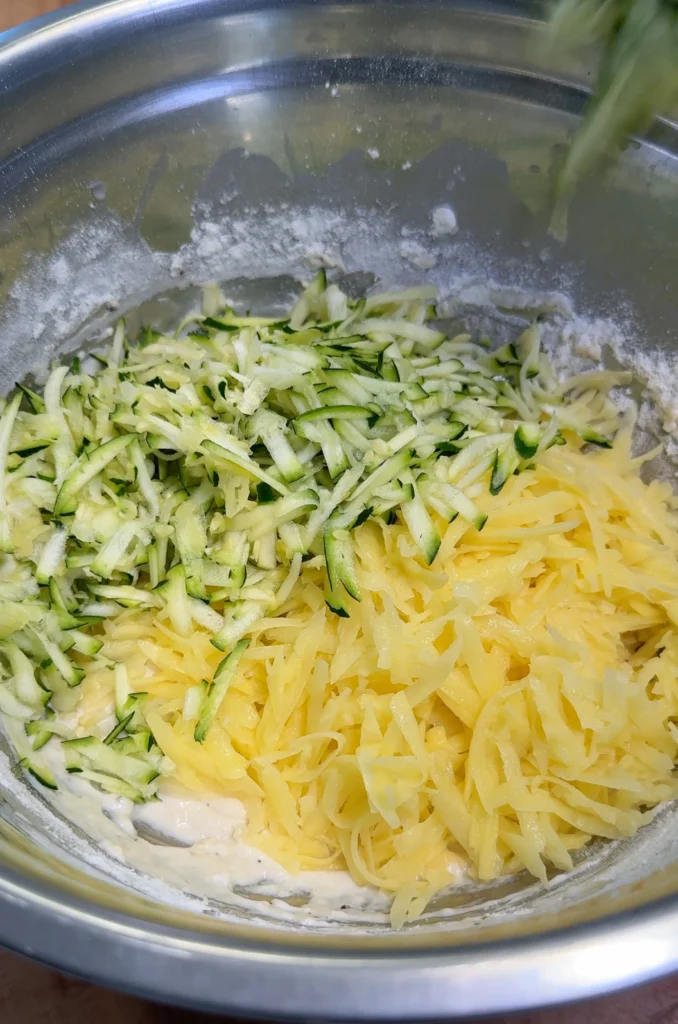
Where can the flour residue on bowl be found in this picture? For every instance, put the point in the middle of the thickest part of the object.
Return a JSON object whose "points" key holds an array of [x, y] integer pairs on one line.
{"points": [[209, 865]]}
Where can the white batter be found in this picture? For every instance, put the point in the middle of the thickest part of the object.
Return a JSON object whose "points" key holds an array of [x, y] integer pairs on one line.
{"points": [[194, 845]]}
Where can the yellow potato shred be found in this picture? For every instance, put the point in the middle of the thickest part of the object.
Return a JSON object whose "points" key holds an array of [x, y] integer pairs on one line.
{"points": [[492, 712]]}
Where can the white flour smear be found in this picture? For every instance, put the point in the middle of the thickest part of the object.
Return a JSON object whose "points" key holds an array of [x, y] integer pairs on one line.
{"points": [[72, 296], [102, 269]]}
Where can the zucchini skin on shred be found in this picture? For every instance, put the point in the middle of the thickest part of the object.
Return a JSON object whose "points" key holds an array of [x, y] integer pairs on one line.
{"points": [[404, 595]]}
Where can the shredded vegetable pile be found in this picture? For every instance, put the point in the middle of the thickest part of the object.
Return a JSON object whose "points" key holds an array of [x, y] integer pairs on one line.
{"points": [[406, 597]]}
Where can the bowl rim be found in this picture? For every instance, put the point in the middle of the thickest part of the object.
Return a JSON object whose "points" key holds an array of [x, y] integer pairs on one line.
{"points": [[181, 966]]}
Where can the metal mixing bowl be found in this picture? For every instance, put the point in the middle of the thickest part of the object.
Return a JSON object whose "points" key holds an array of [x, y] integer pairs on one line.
{"points": [[331, 128]]}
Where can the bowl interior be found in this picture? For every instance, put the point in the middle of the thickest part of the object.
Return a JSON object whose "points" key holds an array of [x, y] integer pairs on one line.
{"points": [[149, 148]]}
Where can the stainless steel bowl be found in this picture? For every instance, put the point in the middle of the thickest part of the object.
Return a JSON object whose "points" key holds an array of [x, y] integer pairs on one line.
{"points": [[329, 129]]}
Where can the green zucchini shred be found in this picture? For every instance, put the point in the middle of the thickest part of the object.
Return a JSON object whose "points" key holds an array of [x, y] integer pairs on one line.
{"points": [[196, 472]]}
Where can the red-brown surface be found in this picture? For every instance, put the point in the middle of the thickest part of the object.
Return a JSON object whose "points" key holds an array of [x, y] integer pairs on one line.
{"points": [[14, 11], [33, 995]]}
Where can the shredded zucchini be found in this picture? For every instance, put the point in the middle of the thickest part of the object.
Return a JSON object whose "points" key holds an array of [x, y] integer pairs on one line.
{"points": [[637, 78], [194, 474]]}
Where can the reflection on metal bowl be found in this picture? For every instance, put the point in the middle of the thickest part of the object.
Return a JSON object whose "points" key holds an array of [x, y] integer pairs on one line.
{"points": [[146, 145]]}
